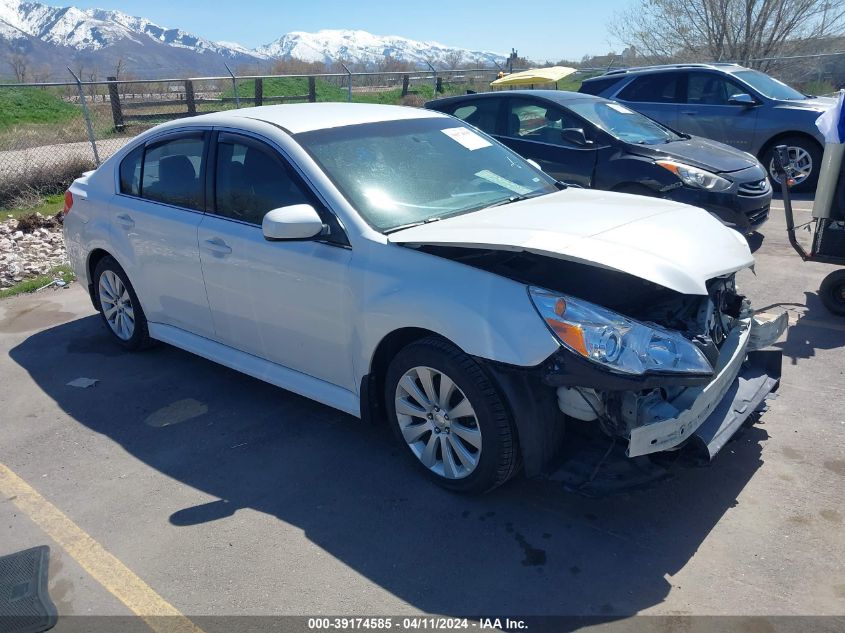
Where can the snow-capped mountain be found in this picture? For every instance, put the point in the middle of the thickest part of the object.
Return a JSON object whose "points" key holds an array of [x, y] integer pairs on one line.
{"points": [[95, 29], [98, 39], [362, 47]]}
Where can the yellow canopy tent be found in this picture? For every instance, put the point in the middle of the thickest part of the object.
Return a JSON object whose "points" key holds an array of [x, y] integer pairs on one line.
{"points": [[536, 76]]}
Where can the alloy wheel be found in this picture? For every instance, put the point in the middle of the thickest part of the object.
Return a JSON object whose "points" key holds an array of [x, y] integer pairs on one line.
{"points": [[799, 167], [438, 422], [117, 305]]}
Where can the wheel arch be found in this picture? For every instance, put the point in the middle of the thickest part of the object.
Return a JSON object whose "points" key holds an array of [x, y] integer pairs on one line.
{"points": [[94, 258], [765, 147], [372, 383]]}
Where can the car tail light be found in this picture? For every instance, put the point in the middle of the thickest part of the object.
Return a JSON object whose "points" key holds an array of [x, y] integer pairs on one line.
{"points": [[68, 202]]}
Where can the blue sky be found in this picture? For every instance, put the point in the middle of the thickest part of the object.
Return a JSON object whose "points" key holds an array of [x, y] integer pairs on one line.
{"points": [[540, 29]]}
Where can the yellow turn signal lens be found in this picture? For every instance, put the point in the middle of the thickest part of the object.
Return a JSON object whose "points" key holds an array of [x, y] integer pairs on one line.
{"points": [[570, 334]]}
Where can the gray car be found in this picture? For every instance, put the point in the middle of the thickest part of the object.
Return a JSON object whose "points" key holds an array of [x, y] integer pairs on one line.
{"points": [[725, 102]]}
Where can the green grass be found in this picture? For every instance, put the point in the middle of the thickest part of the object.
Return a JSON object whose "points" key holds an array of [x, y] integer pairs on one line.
{"points": [[33, 105], [49, 205], [298, 87], [289, 87], [33, 284]]}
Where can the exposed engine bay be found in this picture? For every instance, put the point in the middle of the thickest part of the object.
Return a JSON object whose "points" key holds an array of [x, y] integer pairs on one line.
{"points": [[652, 412]]}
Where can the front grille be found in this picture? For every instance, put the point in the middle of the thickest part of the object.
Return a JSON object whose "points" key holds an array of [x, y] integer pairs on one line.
{"points": [[758, 216], [755, 188]]}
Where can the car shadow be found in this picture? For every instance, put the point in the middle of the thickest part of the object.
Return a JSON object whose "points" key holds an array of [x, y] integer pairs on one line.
{"points": [[755, 241], [815, 329], [528, 548]]}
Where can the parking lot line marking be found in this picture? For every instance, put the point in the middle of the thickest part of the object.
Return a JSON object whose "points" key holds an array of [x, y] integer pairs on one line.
{"points": [[103, 566]]}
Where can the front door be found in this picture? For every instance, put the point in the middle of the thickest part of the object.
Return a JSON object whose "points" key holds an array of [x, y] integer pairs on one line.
{"points": [[708, 113], [533, 130], [286, 302]]}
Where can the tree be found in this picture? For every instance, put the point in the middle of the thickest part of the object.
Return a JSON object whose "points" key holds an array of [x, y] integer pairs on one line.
{"points": [[750, 32], [19, 66], [453, 59]]}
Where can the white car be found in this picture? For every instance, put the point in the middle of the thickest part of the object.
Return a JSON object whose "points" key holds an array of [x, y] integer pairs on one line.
{"points": [[396, 263]]}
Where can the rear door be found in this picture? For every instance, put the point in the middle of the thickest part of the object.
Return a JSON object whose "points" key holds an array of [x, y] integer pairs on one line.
{"points": [[533, 130], [656, 95], [707, 112], [154, 224], [283, 301]]}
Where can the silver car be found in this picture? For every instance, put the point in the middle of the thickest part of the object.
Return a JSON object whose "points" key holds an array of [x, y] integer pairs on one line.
{"points": [[728, 103]]}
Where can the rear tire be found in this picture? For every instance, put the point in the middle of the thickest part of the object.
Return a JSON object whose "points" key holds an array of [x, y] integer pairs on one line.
{"points": [[119, 306], [452, 420], [832, 292], [805, 151]]}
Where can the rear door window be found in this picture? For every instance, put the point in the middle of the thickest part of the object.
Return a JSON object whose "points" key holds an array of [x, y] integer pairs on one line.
{"points": [[173, 172], [656, 88], [482, 113]]}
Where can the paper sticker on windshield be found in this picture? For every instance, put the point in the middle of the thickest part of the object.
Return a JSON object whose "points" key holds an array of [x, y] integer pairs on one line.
{"points": [[489, 176], [467, 138], [620, 108]]}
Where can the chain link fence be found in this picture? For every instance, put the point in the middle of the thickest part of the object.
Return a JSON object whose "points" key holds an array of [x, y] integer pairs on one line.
{"points": [[52, 132]]}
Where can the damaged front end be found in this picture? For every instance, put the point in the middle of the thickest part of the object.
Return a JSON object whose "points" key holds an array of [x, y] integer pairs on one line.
{"points": [[667, 408], [647, 367]]}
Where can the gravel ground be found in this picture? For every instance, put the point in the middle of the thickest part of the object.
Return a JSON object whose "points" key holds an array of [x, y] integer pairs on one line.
{"points": [[28, 254]]}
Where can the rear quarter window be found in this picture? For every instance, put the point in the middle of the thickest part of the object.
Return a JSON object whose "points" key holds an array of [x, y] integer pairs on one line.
{"points": [[130, 172], [597, 86]]}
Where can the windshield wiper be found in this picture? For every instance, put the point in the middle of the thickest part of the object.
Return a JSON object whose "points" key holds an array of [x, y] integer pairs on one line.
{"points": [[410, 225]]}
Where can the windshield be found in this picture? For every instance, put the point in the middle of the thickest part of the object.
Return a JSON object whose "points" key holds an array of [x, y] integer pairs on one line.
{"points": [[399, 173], [623, 123], [769, 86]]}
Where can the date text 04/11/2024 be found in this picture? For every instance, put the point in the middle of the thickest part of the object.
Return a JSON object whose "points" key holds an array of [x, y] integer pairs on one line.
{"points": [[414, 623]]}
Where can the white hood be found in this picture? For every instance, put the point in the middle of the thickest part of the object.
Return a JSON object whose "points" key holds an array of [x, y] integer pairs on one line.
{"points": [[671, 244]]}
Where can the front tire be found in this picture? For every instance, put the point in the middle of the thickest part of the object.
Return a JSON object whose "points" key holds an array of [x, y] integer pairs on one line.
{"points": [[119, 306], [805, 157], [450, 417], [832, 292]]}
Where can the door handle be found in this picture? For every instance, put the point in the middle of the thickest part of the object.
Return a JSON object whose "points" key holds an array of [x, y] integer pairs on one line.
{"points": [[125, 220], [217, 246], [689, 112]]}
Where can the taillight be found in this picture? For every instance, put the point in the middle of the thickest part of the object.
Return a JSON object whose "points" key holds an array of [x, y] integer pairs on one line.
{"points": [[68, 202]]}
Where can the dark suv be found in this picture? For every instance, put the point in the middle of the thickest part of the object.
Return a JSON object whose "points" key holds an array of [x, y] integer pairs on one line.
{"points": [[725, 102]]}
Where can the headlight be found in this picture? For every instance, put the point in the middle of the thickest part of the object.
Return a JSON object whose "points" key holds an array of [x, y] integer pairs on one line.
{"points": [[695, 177], [616, 341]]}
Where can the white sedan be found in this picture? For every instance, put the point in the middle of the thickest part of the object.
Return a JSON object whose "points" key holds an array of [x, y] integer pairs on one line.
{"points": [[397, 263]]}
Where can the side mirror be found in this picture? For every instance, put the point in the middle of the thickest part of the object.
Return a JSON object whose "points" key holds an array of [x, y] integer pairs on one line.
{"points": [[574, 136], [743, 99], [534, 163], [296, 222]]}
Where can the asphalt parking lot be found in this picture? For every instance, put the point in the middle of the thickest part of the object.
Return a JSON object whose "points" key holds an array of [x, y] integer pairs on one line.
{"points": [[223, 495]]}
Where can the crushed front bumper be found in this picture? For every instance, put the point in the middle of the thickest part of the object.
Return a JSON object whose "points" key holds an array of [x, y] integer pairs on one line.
{"points": [[714, 412]]}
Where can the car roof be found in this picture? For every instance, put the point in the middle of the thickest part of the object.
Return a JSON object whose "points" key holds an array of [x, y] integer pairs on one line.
{"points": [[307, 117], [636, 70], [558, 96]]}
